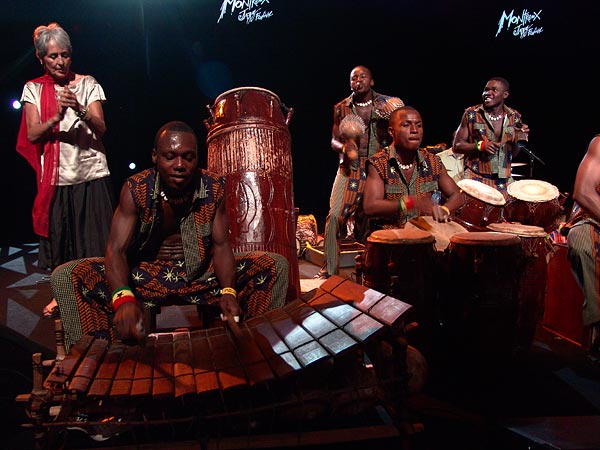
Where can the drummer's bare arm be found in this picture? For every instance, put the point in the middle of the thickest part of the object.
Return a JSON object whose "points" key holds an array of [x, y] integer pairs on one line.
{"points": [[455, 197], [462, 145], [223, 260], [128, 315], [587, 180], [121, 234], [337, 143], [374, 203]]}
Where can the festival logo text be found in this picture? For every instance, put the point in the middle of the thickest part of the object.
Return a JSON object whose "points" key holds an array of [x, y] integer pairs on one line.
{"points": [[247, 10], [522, 25]]}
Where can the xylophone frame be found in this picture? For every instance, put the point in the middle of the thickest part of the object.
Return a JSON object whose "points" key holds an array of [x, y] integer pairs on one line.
{"points": [[339, 350]]}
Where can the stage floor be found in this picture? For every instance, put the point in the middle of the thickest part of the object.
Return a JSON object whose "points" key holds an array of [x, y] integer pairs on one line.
{"points": [[462, 404]]}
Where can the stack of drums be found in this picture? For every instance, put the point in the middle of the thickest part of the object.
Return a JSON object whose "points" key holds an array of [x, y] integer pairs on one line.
{"points": [[536, 249], [249, 143], [481, 299]]}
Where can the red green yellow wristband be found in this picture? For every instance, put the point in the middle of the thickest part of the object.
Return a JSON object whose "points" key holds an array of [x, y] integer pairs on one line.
{"points": [[401, 205], [122, 295], [405, 203], [123, 299]]}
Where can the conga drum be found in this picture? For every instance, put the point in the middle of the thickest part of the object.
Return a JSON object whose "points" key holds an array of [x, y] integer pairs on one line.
{"points": [[533, 202], [401, 263], [536, 249], [249, 143], [441, 231], [483, 205], [480, 302]]}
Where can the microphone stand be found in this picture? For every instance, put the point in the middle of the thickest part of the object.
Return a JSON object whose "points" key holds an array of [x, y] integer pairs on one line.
{"points": [[532, 157]]}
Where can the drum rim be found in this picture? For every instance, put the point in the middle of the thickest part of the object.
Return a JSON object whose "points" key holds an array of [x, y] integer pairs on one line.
{"points": [[477, 238], [465, 182], [518, 229], [420, 236], [253, 88], [512, 186]]}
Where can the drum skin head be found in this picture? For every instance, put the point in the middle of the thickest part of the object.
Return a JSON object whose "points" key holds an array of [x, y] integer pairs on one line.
{"points": [[481, 191], [401, 236], [485, 239], [532, 190], [518, 229]]}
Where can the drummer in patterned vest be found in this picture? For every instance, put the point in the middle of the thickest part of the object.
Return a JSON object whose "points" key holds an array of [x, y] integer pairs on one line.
{"points": [[488, 136], [402, 178], [359, 126], [168, 241], [583, 238]]}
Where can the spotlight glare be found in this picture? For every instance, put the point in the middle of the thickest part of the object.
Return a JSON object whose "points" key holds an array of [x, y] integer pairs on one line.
{"points": [[132, 166], [16, 104]]}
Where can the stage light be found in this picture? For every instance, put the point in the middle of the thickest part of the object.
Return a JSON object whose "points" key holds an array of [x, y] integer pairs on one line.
{"points": [[132, 166], [16, 104]]}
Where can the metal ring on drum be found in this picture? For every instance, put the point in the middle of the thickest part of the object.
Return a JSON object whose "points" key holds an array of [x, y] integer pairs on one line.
{"points": [[249, 144]]}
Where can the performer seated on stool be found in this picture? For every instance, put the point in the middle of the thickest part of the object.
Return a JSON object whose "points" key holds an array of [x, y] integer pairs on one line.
{"points": [[583, 238], [168, 241], [401, 178]]}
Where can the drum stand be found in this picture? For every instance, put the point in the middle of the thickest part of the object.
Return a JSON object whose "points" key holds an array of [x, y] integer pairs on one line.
{"points": [[532, 158]]}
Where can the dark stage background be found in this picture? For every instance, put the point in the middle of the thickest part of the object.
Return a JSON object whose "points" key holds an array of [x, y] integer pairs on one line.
{"points": [[166, 60]]}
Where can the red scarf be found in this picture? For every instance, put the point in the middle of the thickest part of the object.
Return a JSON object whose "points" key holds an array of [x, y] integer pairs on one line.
{"points": [[50, 148]]}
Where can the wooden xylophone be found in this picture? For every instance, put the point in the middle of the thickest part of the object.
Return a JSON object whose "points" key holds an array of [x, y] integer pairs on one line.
{"points": [[292, 365]]}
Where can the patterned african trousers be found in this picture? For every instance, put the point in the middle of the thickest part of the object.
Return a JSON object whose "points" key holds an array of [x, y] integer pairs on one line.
{"points": [[345, 199], [84, 297], [584, 256]]}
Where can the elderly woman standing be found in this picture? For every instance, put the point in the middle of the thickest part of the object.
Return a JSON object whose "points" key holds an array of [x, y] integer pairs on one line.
{"points": [[60, 136]]}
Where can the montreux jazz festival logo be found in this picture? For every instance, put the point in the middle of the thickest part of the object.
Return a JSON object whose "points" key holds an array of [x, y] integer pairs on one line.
{"points": [[522, 26], [246, 10]]}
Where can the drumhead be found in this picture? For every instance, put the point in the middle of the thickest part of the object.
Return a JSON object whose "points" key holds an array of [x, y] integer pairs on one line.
{"points": [[245, 88], [441, 231], [401, 236], [518, 229], [485, 239], [532, 190], [481, 191]]}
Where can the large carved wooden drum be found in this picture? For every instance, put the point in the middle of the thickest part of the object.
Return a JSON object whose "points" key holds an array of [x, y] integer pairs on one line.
{"points": [[249, 143]]}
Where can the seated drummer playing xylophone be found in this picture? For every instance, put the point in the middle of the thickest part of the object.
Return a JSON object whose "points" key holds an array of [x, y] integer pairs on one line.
{"points": [[168, 240]]}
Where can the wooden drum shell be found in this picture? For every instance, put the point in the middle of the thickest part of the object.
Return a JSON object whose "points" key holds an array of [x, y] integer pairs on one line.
{"points": [[250, 144], [480, 303]]}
